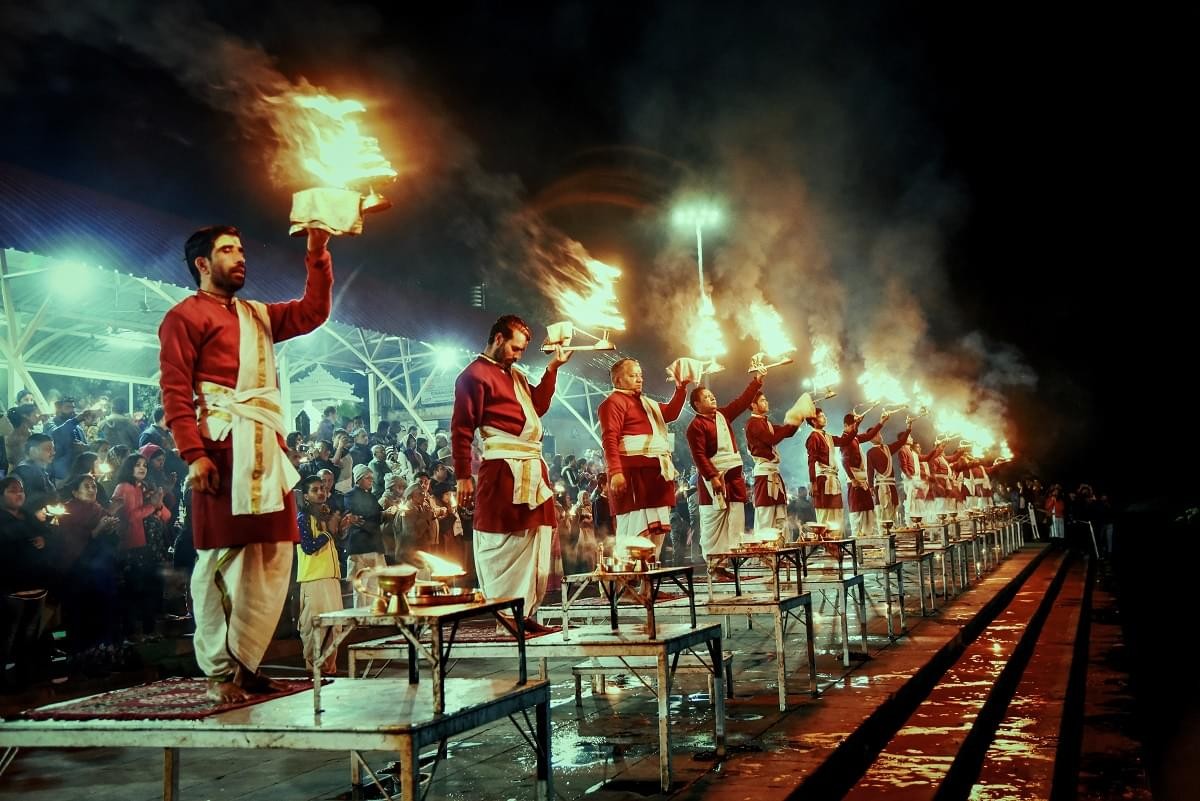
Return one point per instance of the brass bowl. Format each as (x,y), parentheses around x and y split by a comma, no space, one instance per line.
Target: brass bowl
(641,552)
(395,580)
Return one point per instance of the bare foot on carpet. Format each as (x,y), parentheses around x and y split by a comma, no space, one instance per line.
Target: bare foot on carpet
(225,692)
(257,683)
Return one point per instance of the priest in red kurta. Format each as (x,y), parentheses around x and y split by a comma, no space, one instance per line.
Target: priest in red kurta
(223,407)
(637,455)
(514,509)
(825,486)
(722,487)
(861,501)
(941,500)
(881,475)
(762,437)
(912,469)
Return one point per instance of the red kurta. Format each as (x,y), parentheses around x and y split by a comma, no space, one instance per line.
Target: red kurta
(761,438)
(861,500)
(702,441)
(200,340)
(818,453)
(622,414)
(939,474)
(484,396)
(910,466)
(880,461)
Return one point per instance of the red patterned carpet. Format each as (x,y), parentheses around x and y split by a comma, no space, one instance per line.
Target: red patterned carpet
(169,699)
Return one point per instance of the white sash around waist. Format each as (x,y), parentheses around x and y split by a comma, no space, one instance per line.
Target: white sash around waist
(653,445)
(770,469)
(524,459)
(833,484)
(262,473)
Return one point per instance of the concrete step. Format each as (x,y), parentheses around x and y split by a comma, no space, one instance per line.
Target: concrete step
(946,732)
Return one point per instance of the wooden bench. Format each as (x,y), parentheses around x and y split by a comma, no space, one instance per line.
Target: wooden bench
(599,668)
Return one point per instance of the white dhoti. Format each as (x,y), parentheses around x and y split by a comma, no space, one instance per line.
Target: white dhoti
(635,524)
(773,516)
(862,524)
(885,507)
(316,598)
(885,511)
(514,565)
(238,594)
(721,529)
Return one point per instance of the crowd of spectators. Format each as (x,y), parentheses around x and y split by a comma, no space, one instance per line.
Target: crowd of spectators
(94,517)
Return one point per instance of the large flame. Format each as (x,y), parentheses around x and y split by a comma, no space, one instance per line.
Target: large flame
(921,396)
(877,383)
(707,341)
(326,142)
(1005,452)
(825,368)
(442,568)
(768,330)
(965,426)
(594,304)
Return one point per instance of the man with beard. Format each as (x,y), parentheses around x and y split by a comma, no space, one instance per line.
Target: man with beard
(514,510)
(224,409)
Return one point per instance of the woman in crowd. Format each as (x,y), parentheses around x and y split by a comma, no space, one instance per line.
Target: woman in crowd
(89,535)
(157,475)
(87,464)
(26,555)
(108,477)
(141,577)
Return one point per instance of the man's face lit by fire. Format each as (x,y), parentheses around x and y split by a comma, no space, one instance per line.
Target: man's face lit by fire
(509,351)
(760,405)
(225,269)
(706,402)
(822,420)
(630,377)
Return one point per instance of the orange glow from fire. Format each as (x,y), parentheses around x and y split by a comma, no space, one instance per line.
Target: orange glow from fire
(325,140)
(707,341)
(594,304)
(768,330)
(443,568)
(825,367)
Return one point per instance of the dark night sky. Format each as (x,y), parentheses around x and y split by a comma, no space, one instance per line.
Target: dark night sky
(1030,145)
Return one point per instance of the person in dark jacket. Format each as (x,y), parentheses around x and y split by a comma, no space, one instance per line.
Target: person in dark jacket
(364,546)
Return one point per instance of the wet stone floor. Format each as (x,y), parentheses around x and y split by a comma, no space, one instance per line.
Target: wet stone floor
(604,750)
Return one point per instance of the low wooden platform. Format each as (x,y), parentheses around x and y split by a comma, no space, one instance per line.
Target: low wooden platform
(384,715)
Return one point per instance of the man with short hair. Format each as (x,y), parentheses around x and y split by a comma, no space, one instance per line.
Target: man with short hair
(34,472)
(70,438)
(118,428)
(881,475)
(861,501)
(637,456)
(157,432)
(722,487)
(825,486)
(223,406)
(360,451)
(317,570)
(912,469)
(327,425)
(514,509)
(762,439)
